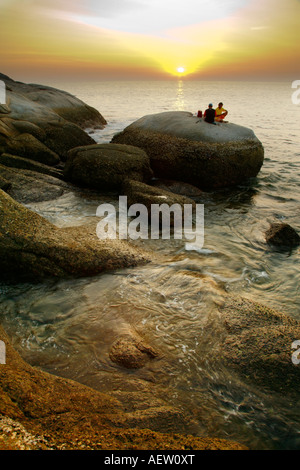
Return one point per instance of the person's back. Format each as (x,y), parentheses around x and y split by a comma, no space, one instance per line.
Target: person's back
(209,115)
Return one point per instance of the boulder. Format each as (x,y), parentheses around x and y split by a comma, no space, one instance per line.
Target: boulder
(282,235)
(62,137)
(35,103)
(14,161)
(185,148)
(106,166)
(131,352)
(26,145)
(256,342)
(177,187)
(141,193)
(27,186)
(31,248)
(53,119)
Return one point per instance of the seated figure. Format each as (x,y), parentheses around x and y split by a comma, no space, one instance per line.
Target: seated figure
(221,113)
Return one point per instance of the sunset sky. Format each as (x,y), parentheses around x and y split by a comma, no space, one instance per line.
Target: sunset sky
(150,39)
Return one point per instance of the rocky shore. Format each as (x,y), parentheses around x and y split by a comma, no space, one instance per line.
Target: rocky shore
(44,152)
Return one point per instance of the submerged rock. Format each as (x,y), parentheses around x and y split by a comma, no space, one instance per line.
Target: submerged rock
(31,248)
(256,342)
(282,235)
(106,166)
(39,411)
(131,352)
(184,148)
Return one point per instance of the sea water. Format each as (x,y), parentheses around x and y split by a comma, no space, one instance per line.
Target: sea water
(67,327)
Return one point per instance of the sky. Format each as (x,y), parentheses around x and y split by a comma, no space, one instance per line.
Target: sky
(150,39)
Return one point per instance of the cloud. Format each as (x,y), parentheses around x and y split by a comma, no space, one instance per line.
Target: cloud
(139,16)
(99,8)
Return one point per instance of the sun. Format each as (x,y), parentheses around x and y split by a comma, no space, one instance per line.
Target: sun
(180,69)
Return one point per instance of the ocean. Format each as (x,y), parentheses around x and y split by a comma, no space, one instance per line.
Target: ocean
(67,327)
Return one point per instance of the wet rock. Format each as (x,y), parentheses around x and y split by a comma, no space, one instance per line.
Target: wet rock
(183,148)
(256,343)
(40,411)
(131,352)
(31,248)
(177,187)
(140,193)
(106,166)
(282,235)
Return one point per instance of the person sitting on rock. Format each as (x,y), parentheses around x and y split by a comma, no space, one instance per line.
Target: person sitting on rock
(221,113)
(209,114)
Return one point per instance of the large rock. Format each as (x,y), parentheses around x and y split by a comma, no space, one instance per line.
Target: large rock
(43,123)
(31,248)
(106,166)
(184,148)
